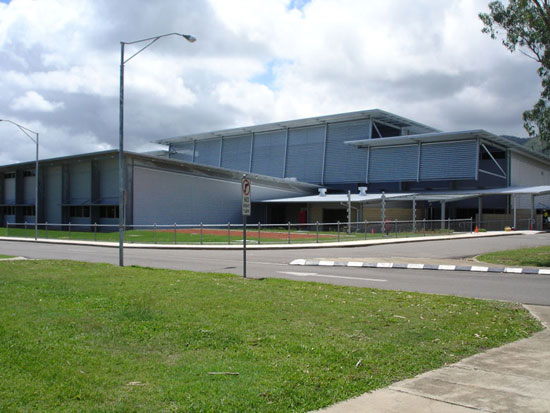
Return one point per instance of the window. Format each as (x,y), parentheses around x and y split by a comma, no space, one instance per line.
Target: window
(108,211)
(8,210)
(9,175)
(29,172)
(28,211)
(80,211)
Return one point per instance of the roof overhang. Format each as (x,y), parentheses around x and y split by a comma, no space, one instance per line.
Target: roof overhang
(430,196)
(374,114)
(438,137)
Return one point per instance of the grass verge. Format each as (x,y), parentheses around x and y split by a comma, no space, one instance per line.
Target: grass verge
(533,257)
(6,256)
(95,337)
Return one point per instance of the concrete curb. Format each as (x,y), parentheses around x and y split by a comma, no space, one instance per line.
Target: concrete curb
(440,267)
(343,244)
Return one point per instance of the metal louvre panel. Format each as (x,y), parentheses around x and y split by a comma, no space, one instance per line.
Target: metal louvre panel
(305,154)
(450,160)
(207,152)
(394,164)
(268,153)
(236,153)
(345,163)
(184,151)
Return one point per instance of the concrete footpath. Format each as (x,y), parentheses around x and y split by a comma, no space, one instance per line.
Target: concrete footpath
(511,378)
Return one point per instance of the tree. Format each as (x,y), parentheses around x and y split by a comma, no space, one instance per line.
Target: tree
(526,24)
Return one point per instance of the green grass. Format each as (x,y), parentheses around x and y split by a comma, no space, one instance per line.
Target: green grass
(535,257)
(6,256)
(166,236)
(96,337)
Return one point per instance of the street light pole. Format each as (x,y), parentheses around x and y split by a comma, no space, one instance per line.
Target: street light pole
(121,169)
(26,131)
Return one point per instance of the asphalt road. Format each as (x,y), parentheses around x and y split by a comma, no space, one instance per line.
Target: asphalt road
(528,289)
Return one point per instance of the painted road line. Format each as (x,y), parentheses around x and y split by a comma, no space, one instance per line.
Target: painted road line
(312,274)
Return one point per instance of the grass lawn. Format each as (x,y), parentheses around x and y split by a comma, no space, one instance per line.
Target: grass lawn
(96,337)
(536,257)
(6,256)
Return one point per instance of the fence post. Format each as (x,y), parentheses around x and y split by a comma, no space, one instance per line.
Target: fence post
(155,233)
(449,225)
(7,229)
(201,233)
(95,231)
(259,232)
(229,233)
(317,230)
(365,228)
(69,229)
(395,227)
(424,226)
(289,232)
(25,231)
(46,227)
(338,230)
(175,234)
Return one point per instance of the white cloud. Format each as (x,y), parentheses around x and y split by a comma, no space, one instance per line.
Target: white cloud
(34,102)
(254,61)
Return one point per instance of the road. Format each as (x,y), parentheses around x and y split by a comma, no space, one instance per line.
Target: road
(528,289)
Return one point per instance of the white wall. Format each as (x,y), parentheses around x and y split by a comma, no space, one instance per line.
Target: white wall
(528,172)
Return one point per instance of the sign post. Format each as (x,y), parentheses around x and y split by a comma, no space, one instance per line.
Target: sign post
(245,191)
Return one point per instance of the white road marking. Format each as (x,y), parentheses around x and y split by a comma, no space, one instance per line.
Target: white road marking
(513,270)
(447,267)
(480,269)
(313,274)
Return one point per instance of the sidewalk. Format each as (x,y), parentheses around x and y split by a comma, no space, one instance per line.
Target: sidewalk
(253,246)
(511,378)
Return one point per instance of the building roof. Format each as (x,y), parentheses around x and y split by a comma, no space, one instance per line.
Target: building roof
(375,114)
(435,137)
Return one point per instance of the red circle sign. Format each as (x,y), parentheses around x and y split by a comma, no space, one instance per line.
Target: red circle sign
(246,187)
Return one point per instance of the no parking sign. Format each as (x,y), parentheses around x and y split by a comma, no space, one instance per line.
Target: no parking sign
(245,186)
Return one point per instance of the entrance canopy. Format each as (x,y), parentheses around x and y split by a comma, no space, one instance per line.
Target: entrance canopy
(431,196)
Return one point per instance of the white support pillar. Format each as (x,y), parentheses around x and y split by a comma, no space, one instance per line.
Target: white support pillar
(479,211)
(532,220)
(515,201)
(414,213)
(443,204)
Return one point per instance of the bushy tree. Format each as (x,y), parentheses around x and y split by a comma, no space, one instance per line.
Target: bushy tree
(526,28)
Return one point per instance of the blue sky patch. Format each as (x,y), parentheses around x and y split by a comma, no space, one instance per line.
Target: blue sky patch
(298,4)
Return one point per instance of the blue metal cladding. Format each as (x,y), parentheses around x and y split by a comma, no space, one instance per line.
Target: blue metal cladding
(207,152)
(236,153)
(346,163)
(268,153)
(393,164)
(184,151)
(448,160)
(305,154)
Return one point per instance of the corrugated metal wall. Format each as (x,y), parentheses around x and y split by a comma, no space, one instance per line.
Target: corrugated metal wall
(108,181)
(448,160)
(80,182)
(269,153)
(236,153)
(52,194)
(345,163)
(207,152)
(9,190)
(397,163)
(168,197)
(305,154)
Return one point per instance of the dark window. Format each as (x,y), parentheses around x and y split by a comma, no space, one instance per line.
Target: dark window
(496,154)
(9,175)
(29,173)
(8,210)
(28,210)
(80,211)
(108,211)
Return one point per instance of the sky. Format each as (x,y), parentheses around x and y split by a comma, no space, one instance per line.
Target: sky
(254,61)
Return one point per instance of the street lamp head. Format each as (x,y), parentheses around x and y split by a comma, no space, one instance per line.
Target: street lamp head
(189,38)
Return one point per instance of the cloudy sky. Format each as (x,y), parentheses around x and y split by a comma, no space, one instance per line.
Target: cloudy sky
(254,61)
